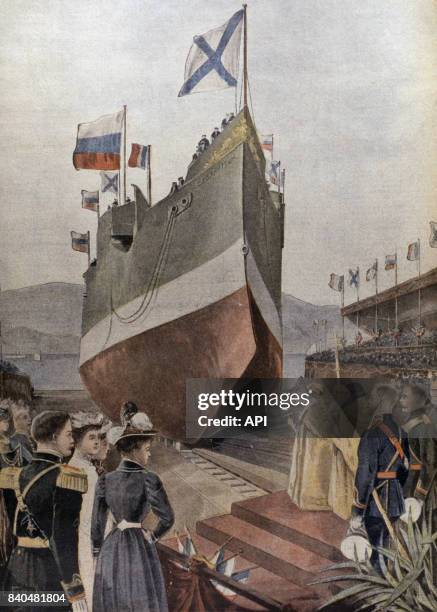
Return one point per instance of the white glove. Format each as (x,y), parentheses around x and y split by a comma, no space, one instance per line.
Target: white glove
(356,523)
(80,605)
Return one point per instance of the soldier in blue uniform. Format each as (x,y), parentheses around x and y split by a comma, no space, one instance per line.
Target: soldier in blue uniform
(383,464)
(128,573)
(48,501)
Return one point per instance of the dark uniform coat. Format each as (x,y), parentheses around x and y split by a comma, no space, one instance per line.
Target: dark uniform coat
(381,467)
(128,574)
(46,521)
(383,464)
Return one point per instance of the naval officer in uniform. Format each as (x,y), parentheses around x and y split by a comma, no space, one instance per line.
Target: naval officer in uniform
(383,464)
(48,502)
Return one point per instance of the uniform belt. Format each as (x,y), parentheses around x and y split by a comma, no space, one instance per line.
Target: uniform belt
(387,475)
(26,542)
(122,525)
(415,467)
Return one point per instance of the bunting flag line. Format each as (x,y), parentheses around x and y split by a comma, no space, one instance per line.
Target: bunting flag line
(213,60)
(372,272)
(90,200)
(80,242)
(98,143)
(354,278)
(413,253)
(336,282)
(391,262)
(138,156)
(109,182)
(433,236)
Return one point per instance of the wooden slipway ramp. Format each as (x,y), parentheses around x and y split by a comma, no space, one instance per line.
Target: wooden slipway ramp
(289,547)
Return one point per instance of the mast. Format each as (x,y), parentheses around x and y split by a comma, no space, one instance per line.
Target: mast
(376,296)
(149,175)
(124,155)
(245,56)
(1,357)
(420,292)
(396,289)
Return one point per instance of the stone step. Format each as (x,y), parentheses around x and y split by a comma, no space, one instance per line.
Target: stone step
(318,532)
(280,557)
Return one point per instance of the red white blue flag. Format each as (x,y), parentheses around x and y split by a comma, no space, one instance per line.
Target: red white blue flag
(90,200)
(391,261)
(98,143)
(138,156)
(80,242)
(267,142)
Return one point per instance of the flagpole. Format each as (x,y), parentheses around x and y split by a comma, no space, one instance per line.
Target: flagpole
(342,306)
(396,288)
(124,154)
(358,298)
(245,56)
(279,178)
(1,356)
(149,175)
(376,296)
(420,292)
(89,249)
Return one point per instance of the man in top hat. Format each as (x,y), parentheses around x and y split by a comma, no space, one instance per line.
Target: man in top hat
(48,498)
(383,463)
(203,143)
(215,133)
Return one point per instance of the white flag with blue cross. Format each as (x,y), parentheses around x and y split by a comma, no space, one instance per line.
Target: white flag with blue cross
(213,60)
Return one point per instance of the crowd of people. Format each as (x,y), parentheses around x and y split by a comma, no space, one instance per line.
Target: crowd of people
(74,491)
(409,349)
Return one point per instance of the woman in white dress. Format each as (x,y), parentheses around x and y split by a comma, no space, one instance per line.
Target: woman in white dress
(86,430)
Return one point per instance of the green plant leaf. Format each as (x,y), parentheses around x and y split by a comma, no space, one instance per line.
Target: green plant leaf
(405,584)
(346,593)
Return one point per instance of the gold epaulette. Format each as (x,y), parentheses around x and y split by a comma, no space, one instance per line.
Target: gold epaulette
(9,477)
(72,478)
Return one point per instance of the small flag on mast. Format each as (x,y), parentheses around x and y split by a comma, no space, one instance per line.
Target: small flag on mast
(80,242)
(336,282)
(274,172)
(391,261)
(433,236)
(90,200)
(372,272)
(213,60)
(413,253)
(98,143)
(138,156)
(267,142)
(354,278)
(109,182)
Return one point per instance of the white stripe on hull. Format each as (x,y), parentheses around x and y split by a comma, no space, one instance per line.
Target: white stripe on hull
(263,299)
(205,285)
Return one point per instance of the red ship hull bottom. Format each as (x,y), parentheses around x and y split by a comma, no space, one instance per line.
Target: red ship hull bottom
(227,339)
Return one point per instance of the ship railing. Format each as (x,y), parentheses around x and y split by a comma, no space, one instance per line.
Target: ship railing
(239,589)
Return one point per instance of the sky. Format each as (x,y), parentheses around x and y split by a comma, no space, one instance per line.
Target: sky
(347,88)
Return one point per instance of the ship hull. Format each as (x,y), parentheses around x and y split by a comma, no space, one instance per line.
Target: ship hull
(212,311)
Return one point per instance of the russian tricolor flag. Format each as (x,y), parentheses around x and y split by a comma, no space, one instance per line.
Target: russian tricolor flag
(90,200)
(98,143)
(138,156)
(267,142)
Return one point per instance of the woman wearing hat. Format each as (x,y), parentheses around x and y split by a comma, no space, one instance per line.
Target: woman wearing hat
(86,430)
(128,573)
